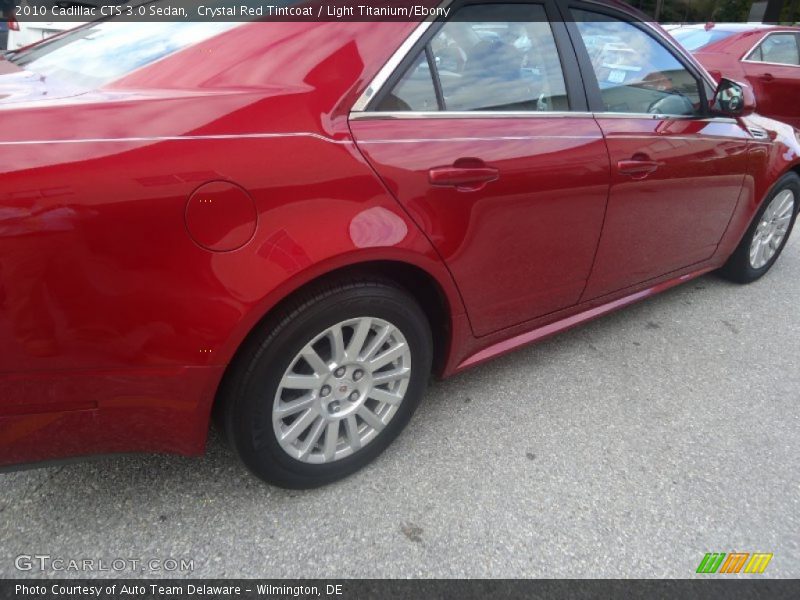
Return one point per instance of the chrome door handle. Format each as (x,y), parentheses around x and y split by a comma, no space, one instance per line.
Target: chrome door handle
(466,175)
(638,169)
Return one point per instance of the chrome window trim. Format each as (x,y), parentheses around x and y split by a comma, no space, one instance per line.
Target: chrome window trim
(773,64)
(660,117)
(484,114)
(747,54)
(499,138)
(475,114)
(394,61)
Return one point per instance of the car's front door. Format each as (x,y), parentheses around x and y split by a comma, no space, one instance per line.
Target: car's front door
(677,172)
(483,135)
(773,70)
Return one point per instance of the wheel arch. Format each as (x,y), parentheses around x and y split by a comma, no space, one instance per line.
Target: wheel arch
(432,294)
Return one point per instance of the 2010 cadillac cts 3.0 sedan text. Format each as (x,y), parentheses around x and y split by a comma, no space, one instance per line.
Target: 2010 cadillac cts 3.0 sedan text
(289,226)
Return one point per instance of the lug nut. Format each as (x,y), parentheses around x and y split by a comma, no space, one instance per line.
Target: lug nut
(358,374)
(354,397)
(339,372)
(326,389)
(334,406)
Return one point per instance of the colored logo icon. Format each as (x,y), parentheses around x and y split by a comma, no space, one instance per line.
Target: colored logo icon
(714,562)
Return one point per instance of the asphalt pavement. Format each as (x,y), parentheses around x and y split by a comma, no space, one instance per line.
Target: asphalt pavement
(628,447)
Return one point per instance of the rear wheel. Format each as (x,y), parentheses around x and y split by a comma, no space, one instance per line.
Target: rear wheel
(329,383)
(767,235)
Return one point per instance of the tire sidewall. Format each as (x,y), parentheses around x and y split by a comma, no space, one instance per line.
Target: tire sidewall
(251,421)
(789,181)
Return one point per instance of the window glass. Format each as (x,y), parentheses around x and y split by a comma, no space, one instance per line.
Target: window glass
(414,91)
(694,39)
(636,73)
(498,57)
(780,48)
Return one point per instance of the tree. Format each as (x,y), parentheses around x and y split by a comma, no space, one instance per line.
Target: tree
(732,11)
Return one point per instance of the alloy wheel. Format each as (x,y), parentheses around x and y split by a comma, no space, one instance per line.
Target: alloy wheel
(341,390)
(772,229)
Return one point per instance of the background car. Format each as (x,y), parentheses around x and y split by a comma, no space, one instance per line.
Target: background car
(239,220)
(766,56)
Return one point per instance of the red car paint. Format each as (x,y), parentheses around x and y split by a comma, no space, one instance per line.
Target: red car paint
(776,86)
(125,292)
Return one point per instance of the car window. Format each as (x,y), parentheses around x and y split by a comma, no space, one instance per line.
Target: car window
(695,39)
(414,91)
(779,48)
(499,57)
(636,73)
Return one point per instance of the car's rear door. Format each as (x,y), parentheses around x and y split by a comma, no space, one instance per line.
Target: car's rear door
(483,134)
(677,171)
(773,69)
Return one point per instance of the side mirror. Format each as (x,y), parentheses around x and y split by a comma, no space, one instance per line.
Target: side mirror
(733,99)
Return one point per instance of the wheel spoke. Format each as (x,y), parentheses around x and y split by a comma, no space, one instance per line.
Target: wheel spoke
(351,426)
(357,341)
(757,259)
(389,376)
(331,439)
(313,436)
(785,210)
(785,205)
(315,360)
(371,418)
(299,425)
(293,381)
(378,342)
(762,253)
(284,409)
(387,357)
(385,397)
(337,344)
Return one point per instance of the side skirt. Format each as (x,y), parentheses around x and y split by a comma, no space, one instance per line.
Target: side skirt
(540,333)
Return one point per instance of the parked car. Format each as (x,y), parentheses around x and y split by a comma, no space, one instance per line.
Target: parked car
(765,56)
(291,225)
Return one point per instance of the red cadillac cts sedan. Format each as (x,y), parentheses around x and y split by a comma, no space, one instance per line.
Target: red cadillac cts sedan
(765,56)
(289,226)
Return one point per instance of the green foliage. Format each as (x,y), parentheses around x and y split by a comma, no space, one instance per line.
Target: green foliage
(697,11)
(732,11)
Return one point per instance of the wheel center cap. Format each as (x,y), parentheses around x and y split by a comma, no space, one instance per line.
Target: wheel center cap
(343,389)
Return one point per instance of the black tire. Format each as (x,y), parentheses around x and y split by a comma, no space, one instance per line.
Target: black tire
(250,388)
(739,268)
